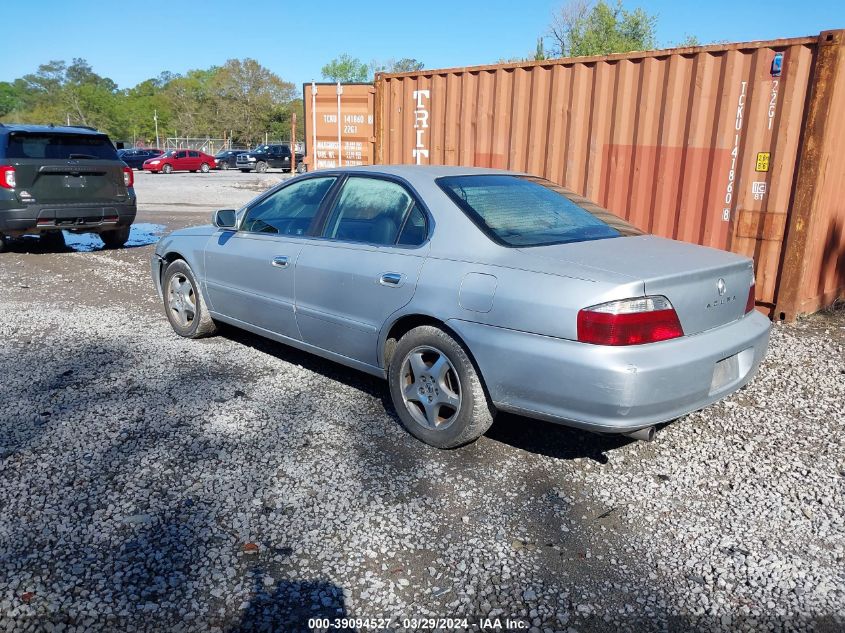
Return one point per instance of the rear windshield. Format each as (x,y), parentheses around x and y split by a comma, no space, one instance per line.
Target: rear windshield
(60,146)
(526,211)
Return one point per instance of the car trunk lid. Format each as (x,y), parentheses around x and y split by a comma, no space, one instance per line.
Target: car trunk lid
(70,181)
(707,287)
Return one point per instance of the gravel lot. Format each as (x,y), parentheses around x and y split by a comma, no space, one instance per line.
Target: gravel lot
(150,483)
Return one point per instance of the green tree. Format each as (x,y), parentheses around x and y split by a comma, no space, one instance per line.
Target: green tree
(582,28)
(10,98)
(406,65)
(345,68)
(540,53)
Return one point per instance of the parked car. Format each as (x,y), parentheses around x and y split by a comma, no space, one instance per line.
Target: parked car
(55,179)
(474,291)
(227,158)
(180,160)
(264,157)
(135,158)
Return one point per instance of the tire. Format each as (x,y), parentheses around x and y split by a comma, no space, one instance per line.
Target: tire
(204,168)
(261,167)
(116,238)
(224,166)
(184,304)
(301,169)
(3,244)
(52,240)
(167,169)
(464,413)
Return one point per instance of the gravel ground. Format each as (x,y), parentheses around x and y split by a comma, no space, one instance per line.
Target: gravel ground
(150,483)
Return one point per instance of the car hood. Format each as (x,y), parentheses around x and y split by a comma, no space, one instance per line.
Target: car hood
(194,231)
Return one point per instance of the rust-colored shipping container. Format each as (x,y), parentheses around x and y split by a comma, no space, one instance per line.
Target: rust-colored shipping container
(338,124)
(732,146)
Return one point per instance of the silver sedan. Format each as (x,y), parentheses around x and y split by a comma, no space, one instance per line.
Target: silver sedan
(474,291)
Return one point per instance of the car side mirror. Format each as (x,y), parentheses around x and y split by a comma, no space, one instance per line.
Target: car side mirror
(224,218)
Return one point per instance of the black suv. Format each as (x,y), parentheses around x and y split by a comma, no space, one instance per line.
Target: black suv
(63,178)
(265,156)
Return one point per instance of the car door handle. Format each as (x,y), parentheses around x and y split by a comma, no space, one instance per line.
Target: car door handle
(390,279)
(280,261)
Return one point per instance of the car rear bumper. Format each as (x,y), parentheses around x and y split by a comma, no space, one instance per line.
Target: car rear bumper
(614,389)
(88,217)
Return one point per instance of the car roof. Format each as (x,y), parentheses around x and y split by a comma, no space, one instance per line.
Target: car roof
(6,128)
(419,173)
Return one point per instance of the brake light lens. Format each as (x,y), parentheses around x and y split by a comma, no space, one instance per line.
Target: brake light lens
(629,322)
(7,177)
(752,299)
(128,177)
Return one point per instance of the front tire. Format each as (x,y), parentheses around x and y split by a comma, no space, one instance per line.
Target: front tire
(261,167)
(436,389)
(167,169)
(116,238)
(184,304)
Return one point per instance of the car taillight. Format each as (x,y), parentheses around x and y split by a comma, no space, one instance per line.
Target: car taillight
(629,322)
(128,177)
(7,177)
(749,304)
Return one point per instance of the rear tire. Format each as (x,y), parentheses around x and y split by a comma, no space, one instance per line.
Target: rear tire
(167,169)
(300,168)
(52,240)
(116,238)
(3,244)
(204,168)
(436,390)
(224,166)
(184,304)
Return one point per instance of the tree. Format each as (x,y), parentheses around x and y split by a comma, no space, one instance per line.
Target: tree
(582,28)
(406,65)
(689,40)
(540,53)
(346,69)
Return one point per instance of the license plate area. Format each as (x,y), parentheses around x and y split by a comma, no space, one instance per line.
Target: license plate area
(75,182)
(729,371)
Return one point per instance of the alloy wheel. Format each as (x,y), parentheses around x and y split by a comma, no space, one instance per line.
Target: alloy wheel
(431,388)
(182,300)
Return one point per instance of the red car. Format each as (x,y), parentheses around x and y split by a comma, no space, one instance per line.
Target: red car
(180,160)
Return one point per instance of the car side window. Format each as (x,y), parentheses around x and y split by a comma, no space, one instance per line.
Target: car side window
(194,154)
(415,230)
(289,210)
(369,210)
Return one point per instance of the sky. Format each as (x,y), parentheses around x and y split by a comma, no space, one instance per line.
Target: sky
(131,42)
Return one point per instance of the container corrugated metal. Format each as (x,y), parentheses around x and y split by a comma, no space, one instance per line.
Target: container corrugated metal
(698,144)
(338,116)
(813,272)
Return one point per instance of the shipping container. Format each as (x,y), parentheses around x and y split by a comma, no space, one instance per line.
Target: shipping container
(338,124)
(734,146)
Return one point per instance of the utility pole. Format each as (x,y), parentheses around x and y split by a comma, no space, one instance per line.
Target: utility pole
(293,142)
(339,151)
(155,118)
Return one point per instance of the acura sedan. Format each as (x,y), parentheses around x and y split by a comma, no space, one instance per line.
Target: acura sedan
(474,291)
